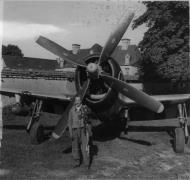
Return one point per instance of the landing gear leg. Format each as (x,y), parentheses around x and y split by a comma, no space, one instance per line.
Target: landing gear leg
(124,121)
(34,128)
(181,133)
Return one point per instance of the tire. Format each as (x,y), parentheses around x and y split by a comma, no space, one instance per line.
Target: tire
(179,140)
(36,133)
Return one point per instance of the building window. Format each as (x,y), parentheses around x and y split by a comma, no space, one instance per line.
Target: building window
(91,51)
(127,59)
(127,71)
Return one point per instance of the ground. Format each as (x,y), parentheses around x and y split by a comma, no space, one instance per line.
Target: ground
(141,154)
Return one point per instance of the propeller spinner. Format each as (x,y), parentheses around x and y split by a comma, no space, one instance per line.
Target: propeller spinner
(92,67)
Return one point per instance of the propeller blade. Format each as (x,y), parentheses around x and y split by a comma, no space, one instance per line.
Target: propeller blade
(63,121)
(83,90)
(59,51)
(134,94)
(115,37)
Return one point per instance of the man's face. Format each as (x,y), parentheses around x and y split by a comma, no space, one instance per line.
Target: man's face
(77,101)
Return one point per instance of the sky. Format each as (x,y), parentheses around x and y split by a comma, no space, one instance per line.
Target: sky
(66,22)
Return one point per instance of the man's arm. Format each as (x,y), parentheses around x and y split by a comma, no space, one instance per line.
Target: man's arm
(70,121)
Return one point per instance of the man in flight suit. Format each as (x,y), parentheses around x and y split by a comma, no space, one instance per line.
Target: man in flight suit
(80,131)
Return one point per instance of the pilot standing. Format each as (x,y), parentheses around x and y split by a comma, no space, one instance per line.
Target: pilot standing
(80,132)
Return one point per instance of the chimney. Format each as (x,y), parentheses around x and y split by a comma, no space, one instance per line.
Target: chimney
(125,44)
(75,48)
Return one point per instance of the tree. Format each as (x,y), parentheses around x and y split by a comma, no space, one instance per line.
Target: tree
(165,46)
(12,50)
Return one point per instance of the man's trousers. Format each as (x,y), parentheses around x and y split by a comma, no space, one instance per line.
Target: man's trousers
(80,145)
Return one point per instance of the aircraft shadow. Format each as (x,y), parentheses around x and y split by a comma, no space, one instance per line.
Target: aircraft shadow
(106,132)
(23,127)
(149,128)
(168,129)
(138,141)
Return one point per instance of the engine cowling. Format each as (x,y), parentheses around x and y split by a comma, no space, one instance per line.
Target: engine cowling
(100,96)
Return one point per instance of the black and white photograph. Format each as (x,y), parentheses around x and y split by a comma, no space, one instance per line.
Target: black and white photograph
(94,90)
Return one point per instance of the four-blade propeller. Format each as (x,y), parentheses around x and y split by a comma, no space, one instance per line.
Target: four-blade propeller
(95,69)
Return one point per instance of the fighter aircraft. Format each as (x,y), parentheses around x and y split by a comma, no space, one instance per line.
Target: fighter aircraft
(99,82)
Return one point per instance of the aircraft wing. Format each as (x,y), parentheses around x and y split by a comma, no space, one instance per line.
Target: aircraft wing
(171,98)
(8,92)
(40,84)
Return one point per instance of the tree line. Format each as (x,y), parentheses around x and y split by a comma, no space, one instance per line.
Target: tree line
(12,50)
(165,46)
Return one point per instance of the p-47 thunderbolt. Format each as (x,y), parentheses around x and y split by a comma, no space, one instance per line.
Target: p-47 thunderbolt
(100,84)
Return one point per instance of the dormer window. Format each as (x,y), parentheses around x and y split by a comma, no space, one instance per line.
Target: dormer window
(91,51)
(61,64)
(127,71)
(75,48)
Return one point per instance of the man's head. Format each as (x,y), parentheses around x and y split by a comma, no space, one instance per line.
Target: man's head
(77,101)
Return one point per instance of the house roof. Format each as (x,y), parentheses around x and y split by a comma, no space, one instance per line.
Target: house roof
(96,48)
(16,62)
(118,54)
(81,54)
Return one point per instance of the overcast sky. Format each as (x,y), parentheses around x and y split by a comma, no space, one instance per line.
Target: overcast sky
(66,22)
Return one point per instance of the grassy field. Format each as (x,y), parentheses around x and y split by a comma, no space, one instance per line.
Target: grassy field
(140,154)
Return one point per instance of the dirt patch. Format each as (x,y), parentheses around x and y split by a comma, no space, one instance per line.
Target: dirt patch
(138,155)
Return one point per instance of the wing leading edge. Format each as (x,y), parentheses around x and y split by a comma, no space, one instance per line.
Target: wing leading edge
(8,92)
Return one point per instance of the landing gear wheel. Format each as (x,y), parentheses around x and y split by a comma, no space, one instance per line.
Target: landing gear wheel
(36,133)
(179,140)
